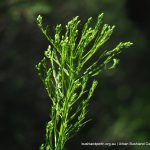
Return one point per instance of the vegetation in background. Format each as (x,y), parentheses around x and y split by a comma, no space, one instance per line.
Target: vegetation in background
(65,75)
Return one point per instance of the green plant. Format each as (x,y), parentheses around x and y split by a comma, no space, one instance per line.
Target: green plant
(65,72)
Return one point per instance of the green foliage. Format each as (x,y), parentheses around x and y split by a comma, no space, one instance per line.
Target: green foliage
(65,72)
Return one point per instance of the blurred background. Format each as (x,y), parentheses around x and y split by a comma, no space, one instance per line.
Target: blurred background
(120,108)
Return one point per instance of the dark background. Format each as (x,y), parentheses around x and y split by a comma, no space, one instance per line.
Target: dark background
(120,108)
